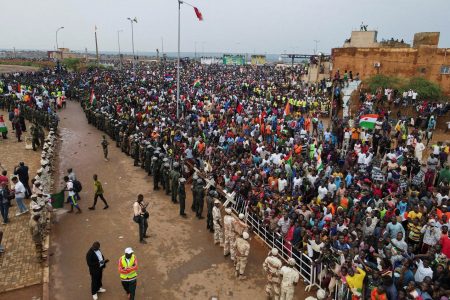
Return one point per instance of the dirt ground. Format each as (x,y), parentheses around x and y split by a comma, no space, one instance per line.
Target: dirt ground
(16,68)
(180,260)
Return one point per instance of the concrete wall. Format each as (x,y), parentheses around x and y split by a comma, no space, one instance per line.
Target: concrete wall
(423,61)
(426,38)
(362,39)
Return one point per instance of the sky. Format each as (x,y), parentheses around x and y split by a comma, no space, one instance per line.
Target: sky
(234,26)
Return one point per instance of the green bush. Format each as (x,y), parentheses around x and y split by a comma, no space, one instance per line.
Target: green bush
(426,89)
(72,63)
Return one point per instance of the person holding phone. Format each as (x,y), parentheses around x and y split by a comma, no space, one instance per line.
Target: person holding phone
(96,263)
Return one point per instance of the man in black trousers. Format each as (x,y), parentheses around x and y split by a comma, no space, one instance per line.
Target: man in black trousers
(96,263)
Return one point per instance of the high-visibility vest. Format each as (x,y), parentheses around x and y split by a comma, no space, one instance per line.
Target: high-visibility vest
(127,275)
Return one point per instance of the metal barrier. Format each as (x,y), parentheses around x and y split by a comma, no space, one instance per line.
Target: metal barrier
(304,264)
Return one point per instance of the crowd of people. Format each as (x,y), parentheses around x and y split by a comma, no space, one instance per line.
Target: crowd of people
(367,204)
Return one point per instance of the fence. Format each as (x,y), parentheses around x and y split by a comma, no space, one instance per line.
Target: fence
(304,264)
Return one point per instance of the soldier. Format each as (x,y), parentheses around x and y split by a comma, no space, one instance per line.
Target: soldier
(194,197)
(166,175)
(289,280)
(174,177)
(36,233)
(272,266)
(34,136)
(105,144)
(142,148)
(230,236)
(240,226)
(161,170)
(242,251)
(136,151)
(209,207)
(199,198)
(148,159)
(182,196)
(217,221)
(155,173)
(41,135)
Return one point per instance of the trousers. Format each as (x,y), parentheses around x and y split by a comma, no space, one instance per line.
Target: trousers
(143,226)
(96,281)
(130,288)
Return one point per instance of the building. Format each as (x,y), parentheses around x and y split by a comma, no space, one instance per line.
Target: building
(62,53)
(363,54)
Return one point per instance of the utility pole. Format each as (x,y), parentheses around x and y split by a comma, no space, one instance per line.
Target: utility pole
(118,44)
(178,61)
(96,44)
(132,38)
(162,46)
(62,27)
(315,48)
(318,70)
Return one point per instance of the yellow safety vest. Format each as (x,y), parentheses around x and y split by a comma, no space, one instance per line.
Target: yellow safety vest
(124,264)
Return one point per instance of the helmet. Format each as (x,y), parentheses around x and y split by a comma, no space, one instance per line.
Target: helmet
(241,216)
(245,235)
(274,251)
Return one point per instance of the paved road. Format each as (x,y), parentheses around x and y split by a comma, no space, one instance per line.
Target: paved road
(180,261)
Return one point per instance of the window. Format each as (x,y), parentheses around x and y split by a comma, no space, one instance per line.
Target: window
(445,69)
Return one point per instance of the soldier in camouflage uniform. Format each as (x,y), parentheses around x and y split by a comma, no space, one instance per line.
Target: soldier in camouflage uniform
(148,159)
(209,206)
(229,234)
(142,149)
(182,196)
(34,136)
(166,175)
(272,266)
(155,171)
(200,198)
(161,170)
(174,177)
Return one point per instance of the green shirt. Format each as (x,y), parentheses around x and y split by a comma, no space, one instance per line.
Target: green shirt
(98,187)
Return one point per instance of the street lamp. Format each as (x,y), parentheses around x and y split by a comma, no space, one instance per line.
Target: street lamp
(118,44)
(132,36)
(62,27)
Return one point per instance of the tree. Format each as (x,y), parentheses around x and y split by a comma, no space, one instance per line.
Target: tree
(72,63)
(426,89)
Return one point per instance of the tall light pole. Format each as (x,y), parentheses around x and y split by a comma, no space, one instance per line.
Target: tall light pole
(118,44)
(132,36)
(178,61)
(315,48)
(62,27)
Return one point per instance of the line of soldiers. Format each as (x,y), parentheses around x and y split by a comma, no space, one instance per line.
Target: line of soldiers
(281,280)
(48,120)
(40,206)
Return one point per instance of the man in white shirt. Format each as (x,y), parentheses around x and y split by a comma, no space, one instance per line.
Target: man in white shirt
(282,184)
(71,198)
(423,270)
(19,191)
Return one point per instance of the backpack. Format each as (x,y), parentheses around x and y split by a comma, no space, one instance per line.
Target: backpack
(77,187)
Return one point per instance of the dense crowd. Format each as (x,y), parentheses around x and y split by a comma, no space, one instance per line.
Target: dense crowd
(367,203)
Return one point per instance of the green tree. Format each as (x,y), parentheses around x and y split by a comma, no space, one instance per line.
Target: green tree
(72,63)
(426,89)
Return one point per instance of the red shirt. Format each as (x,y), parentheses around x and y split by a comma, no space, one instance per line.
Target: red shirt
(3,179)
(445,242)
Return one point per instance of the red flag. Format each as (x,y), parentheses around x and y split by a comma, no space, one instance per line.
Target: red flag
(19,88)
(239,108)
(198,13)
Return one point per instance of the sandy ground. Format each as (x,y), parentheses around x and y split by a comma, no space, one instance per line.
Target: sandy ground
(180,260)
(16,68)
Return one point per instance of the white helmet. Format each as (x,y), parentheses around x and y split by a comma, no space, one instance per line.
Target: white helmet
(245,235)
(274,251)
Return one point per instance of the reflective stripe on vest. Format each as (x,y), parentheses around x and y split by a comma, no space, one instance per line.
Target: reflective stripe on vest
(128,264)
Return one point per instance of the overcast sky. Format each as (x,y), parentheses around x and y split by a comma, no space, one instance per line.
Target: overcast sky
(246,26)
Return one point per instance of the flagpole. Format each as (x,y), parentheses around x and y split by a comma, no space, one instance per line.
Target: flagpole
(96,44)
(178,61)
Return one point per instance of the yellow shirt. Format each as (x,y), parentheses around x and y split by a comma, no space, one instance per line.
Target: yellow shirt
(413,215)
(356,281)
